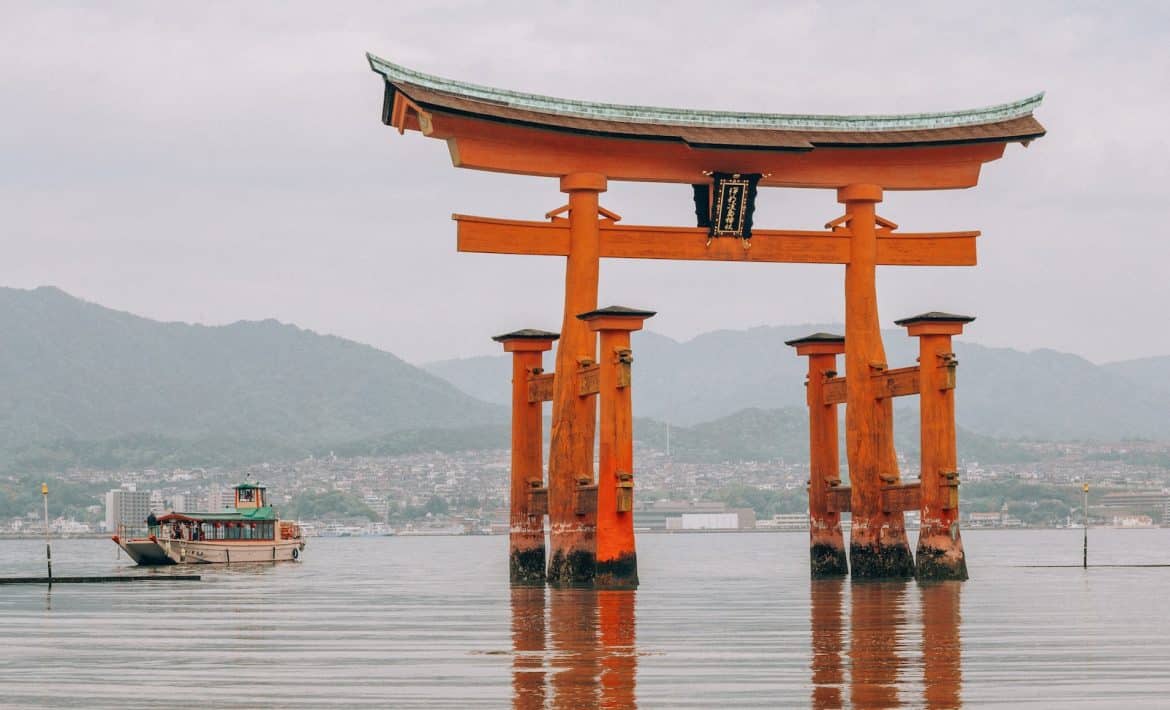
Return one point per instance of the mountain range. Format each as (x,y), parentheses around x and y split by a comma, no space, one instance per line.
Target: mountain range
(72,371)
(87,385)
(1002,392)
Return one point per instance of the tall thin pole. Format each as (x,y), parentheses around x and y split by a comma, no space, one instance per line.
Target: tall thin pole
(1085,549)
(48,547)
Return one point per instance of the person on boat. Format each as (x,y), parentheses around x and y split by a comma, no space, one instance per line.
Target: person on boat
(152,524)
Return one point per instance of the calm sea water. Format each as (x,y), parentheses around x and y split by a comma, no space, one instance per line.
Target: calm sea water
(727,620)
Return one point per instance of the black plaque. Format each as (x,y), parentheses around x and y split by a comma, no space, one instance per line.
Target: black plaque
(732,205)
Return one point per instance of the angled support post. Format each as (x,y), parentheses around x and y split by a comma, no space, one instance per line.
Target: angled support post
(526,556)
(572,557)
(940,547)
(617,557)
(826,543)
(878,545)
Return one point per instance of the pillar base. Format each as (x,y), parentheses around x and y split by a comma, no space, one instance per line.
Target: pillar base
(828,560)
(941,558)
(526,567)
(881,560)
(572,568)
(620,573)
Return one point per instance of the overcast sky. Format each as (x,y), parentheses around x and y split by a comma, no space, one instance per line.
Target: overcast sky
(213,162)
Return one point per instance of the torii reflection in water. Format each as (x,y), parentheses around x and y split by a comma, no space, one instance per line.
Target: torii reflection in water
(581,654)
(868,658)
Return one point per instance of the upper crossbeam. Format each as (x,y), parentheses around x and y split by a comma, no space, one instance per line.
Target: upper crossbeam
(502,236)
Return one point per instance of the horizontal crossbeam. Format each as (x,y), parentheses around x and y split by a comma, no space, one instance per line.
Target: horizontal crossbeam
(887,383)
(540,387)
(896,497)
(900,497)
(502,236)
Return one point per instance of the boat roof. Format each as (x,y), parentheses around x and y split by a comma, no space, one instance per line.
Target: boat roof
(264,513)
(247,486)
(1007,122)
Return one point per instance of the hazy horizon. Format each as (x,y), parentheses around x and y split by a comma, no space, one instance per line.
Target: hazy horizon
(495,349)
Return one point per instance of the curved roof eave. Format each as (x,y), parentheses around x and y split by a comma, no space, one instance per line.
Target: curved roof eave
(623,113)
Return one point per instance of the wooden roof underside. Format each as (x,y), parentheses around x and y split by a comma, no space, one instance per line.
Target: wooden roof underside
(506,131)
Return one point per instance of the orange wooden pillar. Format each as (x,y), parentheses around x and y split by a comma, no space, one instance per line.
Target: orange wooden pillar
(617,558)
(526,522)
(878,546)
(940,547)
(574,417)
(826,543)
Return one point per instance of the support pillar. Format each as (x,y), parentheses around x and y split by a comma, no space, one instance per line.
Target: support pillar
(940,547)
(826,542)
(574,417)
(529,496)
(878,545)
(617,558)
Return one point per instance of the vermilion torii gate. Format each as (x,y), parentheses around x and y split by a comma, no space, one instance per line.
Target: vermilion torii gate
(585,145)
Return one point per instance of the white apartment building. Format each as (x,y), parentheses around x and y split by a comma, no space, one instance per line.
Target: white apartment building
(128,508)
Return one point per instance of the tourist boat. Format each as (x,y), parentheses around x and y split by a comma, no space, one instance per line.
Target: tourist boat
(250,533)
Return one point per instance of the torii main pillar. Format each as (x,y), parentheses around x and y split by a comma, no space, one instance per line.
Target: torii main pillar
(572,527)
(878,545)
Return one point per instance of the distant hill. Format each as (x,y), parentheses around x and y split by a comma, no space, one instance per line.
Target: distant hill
(1150,372)
(782,434)
(74,372)
(1002,392)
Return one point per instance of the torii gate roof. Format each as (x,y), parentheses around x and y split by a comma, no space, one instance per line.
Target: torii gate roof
(1005,122)
(484,127)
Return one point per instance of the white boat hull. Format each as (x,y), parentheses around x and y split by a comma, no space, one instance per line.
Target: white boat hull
(153,551)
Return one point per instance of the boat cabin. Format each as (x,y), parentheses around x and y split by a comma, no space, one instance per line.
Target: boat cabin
(253,519)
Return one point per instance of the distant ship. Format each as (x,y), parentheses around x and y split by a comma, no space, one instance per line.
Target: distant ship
(250,533)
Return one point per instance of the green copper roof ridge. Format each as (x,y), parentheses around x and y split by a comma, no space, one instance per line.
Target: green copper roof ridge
(691,117)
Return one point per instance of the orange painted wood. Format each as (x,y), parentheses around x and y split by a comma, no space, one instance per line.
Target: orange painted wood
(501,147)
(540,387)
(526,525)
(572,552)
(869,420)
(888,383)
(824,455)
(833,391)
(902,497)
(615,530)
(588,380)
(501,236)
(839,499)
(939,462)
(897,383)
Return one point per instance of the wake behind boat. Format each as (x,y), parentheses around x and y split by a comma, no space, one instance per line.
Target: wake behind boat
(250,533)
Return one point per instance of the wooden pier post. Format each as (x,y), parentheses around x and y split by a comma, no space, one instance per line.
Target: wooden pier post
(574,417)
(940,547)
(826,543)
(526,558)
(617,558)
(878,546)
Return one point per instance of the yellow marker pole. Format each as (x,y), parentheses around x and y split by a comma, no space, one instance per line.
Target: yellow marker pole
(1085,550)
(48,547)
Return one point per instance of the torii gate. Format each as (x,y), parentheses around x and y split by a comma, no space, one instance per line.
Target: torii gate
(585,145)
